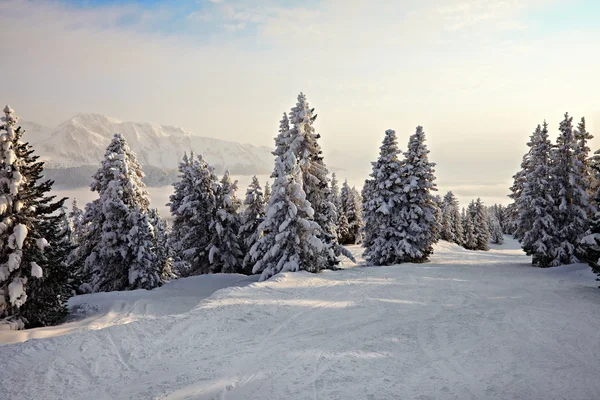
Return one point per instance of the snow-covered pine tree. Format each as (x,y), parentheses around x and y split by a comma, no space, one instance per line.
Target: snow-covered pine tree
(353,212)
(481,228)
(144,270)
(76,218)
(225,250)
(494,227)
(290,241)
(27,273)
(382,195)
(539,238)
(334,198)
(115,248)
(346,237)
(160,240)
(251,217)
(282,140)
(193,205)
(418,211)
(583,165)
(591,242)
(303,142)
(452,229)
(571,210)
(267,194)
(468,218)
(518,205)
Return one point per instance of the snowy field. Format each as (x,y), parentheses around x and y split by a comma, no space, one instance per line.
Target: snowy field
(468,325)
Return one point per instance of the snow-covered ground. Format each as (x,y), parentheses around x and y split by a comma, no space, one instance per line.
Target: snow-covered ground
(468,325)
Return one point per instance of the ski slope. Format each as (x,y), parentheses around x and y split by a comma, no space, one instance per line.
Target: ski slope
(468,325)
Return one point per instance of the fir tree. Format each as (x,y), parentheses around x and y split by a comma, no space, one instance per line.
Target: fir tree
(160,241)
(267,194)
(225,250)
(382,196)
(29,217)
(537,220)
(418,212)
(452,229)
(76,218)
(303,142)
(480,226)
(116,248)
(251,218)
(495,229)
(334,198)
(570,197)
(290,241)
(353,212)
(470,241)
(193,205)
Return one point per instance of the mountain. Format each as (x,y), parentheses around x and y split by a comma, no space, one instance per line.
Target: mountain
(77,146)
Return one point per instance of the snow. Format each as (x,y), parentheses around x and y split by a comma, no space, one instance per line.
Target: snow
(36,270)
(467,325)
(20,235)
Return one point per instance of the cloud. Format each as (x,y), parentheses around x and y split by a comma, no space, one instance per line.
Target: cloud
(230,69)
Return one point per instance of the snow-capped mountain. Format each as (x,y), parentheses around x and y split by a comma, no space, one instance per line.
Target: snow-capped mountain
(82,140)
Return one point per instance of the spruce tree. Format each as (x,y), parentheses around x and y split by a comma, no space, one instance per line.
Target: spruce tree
(290,240)
(267,194)
(353,212)
(116,248)
(470,242)
(225,250)
(303,142)
(591,242)
(160,240)
(193,206)
(29,271)
(570,197)
(480,226)
(251,218)
(334,198)
(76,218)
(537,221)
(418,211)
(495,229)
(452,229)
(382,195)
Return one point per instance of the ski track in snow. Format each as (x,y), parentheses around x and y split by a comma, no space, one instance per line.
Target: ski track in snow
(467,325)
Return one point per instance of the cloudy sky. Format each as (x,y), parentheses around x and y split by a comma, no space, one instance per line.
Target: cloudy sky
(477,74)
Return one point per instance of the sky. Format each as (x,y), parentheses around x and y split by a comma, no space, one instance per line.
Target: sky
(478,75)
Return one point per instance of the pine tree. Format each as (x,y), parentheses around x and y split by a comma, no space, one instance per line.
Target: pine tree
(591,242)
(116,248)
(251,217)
(266,195)
(282,140)
(584,172)
(495,229)
(76,217)
(481,228)
(452,229)
(518,205)
(539,238)
(144,270)
(570,197)
(334,198)
(303,142)
(225,250)
(290,239)
(193,206)
(382,194)
(418,212)
(28,274)
(470,242)
(160,241)
(353,211)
